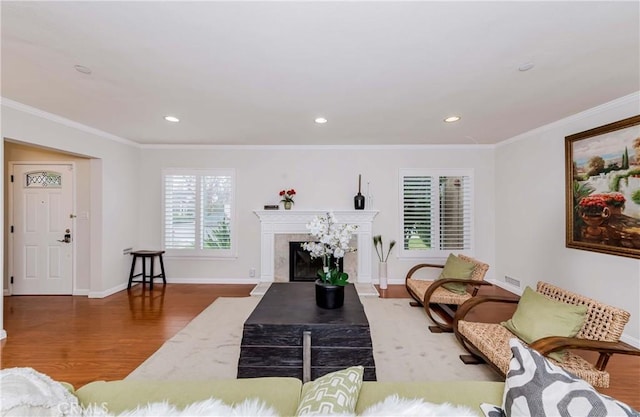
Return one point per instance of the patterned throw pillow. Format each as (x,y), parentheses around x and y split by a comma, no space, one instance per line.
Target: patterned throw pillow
(537,387)
(334,393)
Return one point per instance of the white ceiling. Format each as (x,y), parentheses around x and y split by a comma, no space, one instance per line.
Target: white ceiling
(259,72)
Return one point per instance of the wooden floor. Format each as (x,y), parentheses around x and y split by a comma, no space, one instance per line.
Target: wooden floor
(79,340)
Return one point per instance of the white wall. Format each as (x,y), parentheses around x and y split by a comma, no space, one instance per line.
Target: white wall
(530,213)
(114,172)
(324,179)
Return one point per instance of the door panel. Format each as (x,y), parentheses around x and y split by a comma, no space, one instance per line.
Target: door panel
(42,262)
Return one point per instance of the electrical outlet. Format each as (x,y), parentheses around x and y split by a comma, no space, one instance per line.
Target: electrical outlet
(252,272)
(512,281)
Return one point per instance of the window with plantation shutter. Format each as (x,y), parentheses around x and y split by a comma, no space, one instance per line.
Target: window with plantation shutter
(436,209)
(198,212)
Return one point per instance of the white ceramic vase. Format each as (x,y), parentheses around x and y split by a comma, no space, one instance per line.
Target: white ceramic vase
(382,275)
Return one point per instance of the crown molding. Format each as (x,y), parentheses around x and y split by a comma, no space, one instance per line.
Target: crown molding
(316,147)
(65,122)
(619,102)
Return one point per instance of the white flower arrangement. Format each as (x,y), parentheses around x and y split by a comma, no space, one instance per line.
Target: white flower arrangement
(333,240)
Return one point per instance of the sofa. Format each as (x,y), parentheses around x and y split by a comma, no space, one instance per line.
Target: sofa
(533,386)
(283,394)
(27,392)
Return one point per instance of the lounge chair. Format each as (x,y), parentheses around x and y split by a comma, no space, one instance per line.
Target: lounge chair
(431,294)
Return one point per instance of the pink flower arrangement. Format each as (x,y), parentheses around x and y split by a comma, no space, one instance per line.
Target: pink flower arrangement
(287,195)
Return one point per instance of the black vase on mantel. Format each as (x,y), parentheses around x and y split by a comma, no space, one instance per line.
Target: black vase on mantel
(358,200)
(329,296)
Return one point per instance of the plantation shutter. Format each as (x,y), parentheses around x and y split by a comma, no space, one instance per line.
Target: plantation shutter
(455,213)
(417,209)
(198,212)
(180,215)
(216,207)
(436,213)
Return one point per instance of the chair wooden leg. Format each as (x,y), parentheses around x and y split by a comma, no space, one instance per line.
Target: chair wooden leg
(415,304)
(471,360)
(443,327)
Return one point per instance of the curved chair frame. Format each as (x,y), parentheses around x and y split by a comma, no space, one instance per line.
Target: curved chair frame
(431,299)
(605,345)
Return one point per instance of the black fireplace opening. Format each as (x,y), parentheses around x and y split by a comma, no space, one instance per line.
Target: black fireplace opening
(302,267)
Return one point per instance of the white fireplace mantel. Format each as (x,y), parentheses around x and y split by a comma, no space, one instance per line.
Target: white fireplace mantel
(274,222)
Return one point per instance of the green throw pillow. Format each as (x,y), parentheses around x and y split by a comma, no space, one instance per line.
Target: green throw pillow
(538,316)
(334,393)
(459,269)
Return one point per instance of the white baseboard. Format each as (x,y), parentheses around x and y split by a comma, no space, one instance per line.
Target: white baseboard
(501,284)
(633,341)
(123,286)
(110,291)
(211,281)
(3,334)
(6,292)
(80,292)
(506,286)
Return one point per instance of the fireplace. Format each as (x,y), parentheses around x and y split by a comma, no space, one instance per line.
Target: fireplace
(277,226)
(302,267)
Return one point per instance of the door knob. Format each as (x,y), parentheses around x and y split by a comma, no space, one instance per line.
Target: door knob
(67,237)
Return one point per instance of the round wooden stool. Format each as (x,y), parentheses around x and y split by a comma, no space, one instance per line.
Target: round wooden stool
(144,255)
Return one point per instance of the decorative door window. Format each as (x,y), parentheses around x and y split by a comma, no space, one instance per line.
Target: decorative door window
(43,179)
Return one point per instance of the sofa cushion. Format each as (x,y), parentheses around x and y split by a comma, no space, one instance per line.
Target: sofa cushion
(456,268)
(334,393)
(282,394)
(211,407)
(538,316)
(537,387)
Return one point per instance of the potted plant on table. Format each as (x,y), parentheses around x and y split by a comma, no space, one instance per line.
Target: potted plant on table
(333,244)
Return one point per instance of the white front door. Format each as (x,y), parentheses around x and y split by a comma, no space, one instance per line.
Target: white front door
(42,229)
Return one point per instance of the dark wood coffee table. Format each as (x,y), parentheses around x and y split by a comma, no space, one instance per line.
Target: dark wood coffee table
(272,340)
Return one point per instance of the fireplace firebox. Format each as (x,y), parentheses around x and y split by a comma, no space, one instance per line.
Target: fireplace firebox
(302,267)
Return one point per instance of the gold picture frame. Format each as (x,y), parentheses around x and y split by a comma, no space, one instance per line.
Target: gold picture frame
(602,167)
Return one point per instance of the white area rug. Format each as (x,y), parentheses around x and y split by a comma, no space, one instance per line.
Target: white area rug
(207,348)
(404,349)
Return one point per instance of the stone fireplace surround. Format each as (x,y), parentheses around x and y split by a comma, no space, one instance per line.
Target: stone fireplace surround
(292,222)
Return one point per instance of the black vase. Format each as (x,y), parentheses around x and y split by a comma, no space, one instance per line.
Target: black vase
(329,296)
(358,201)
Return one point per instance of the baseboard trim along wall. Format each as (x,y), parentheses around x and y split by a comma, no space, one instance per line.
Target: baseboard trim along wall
(210,281)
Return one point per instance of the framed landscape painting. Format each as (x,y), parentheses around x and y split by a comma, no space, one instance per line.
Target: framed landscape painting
(603,188)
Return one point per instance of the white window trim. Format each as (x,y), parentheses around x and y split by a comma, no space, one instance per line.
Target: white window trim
(195,254)
(434,254)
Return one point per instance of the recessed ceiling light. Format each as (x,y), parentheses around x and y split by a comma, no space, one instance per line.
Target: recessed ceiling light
(452,119)
(173,119)
(82,69)
(320,120)
(526,66)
